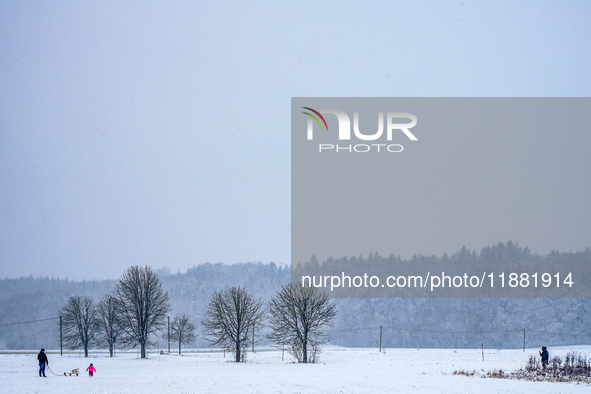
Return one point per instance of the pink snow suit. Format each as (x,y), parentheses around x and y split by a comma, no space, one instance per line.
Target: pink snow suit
(90,370)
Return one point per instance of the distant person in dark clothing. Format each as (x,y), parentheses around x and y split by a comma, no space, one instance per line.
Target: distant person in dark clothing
(42,357)
(545,356)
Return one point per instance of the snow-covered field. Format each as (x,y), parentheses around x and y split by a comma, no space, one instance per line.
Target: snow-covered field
(341,370)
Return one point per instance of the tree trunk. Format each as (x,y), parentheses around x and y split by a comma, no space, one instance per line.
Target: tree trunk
(305,351)
(143,345)
(237,351)
(111,350)
(86,349)
(179,346)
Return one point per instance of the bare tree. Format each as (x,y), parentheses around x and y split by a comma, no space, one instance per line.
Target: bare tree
(143,305)
(182,330)
(231,315)
(109,322)
(79,323)
(297,316)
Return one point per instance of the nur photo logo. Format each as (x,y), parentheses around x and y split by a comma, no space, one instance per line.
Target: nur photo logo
(344,130)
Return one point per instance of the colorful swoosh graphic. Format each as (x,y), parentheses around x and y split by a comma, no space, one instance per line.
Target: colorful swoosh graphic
(315,118)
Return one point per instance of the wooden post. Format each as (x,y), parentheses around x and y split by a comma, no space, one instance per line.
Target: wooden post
(380,339)
(61,338)
(482,344)
(282,351)
(224,353)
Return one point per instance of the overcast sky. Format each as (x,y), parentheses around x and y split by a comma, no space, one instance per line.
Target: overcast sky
(159,133)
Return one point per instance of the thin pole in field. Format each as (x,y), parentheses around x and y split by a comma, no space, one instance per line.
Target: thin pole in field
(61,338)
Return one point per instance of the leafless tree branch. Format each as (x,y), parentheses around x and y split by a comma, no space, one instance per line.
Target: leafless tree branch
(109,322)
(297,316)
(80,321)
(231,315)
(143,305)
(182,330)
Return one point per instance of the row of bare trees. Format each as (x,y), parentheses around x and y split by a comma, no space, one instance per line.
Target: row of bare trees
(296,317)
(134,314)
(129,316)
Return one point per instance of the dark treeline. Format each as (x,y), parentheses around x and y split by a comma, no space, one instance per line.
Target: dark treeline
(442,323)
(465,323)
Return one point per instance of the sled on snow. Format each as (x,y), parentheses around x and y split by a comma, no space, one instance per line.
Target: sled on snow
(74,372)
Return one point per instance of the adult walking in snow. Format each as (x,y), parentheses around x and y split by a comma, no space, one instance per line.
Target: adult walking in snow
(42,358)
(545,356)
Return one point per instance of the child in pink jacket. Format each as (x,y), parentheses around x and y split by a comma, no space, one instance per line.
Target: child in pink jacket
(91,370)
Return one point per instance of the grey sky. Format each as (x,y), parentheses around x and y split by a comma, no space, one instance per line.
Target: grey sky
(159,133)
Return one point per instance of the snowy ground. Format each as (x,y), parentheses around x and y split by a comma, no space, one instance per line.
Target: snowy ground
(341,370)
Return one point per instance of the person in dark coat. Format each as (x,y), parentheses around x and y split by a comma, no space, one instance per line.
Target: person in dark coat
(545,356)
(42,357)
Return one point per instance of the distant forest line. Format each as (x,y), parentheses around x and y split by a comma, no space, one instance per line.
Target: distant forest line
(421,323)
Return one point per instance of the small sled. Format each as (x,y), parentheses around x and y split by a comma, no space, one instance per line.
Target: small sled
(74,372)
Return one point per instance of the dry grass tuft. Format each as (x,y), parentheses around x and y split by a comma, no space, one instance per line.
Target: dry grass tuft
(574,368)
(463,372)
